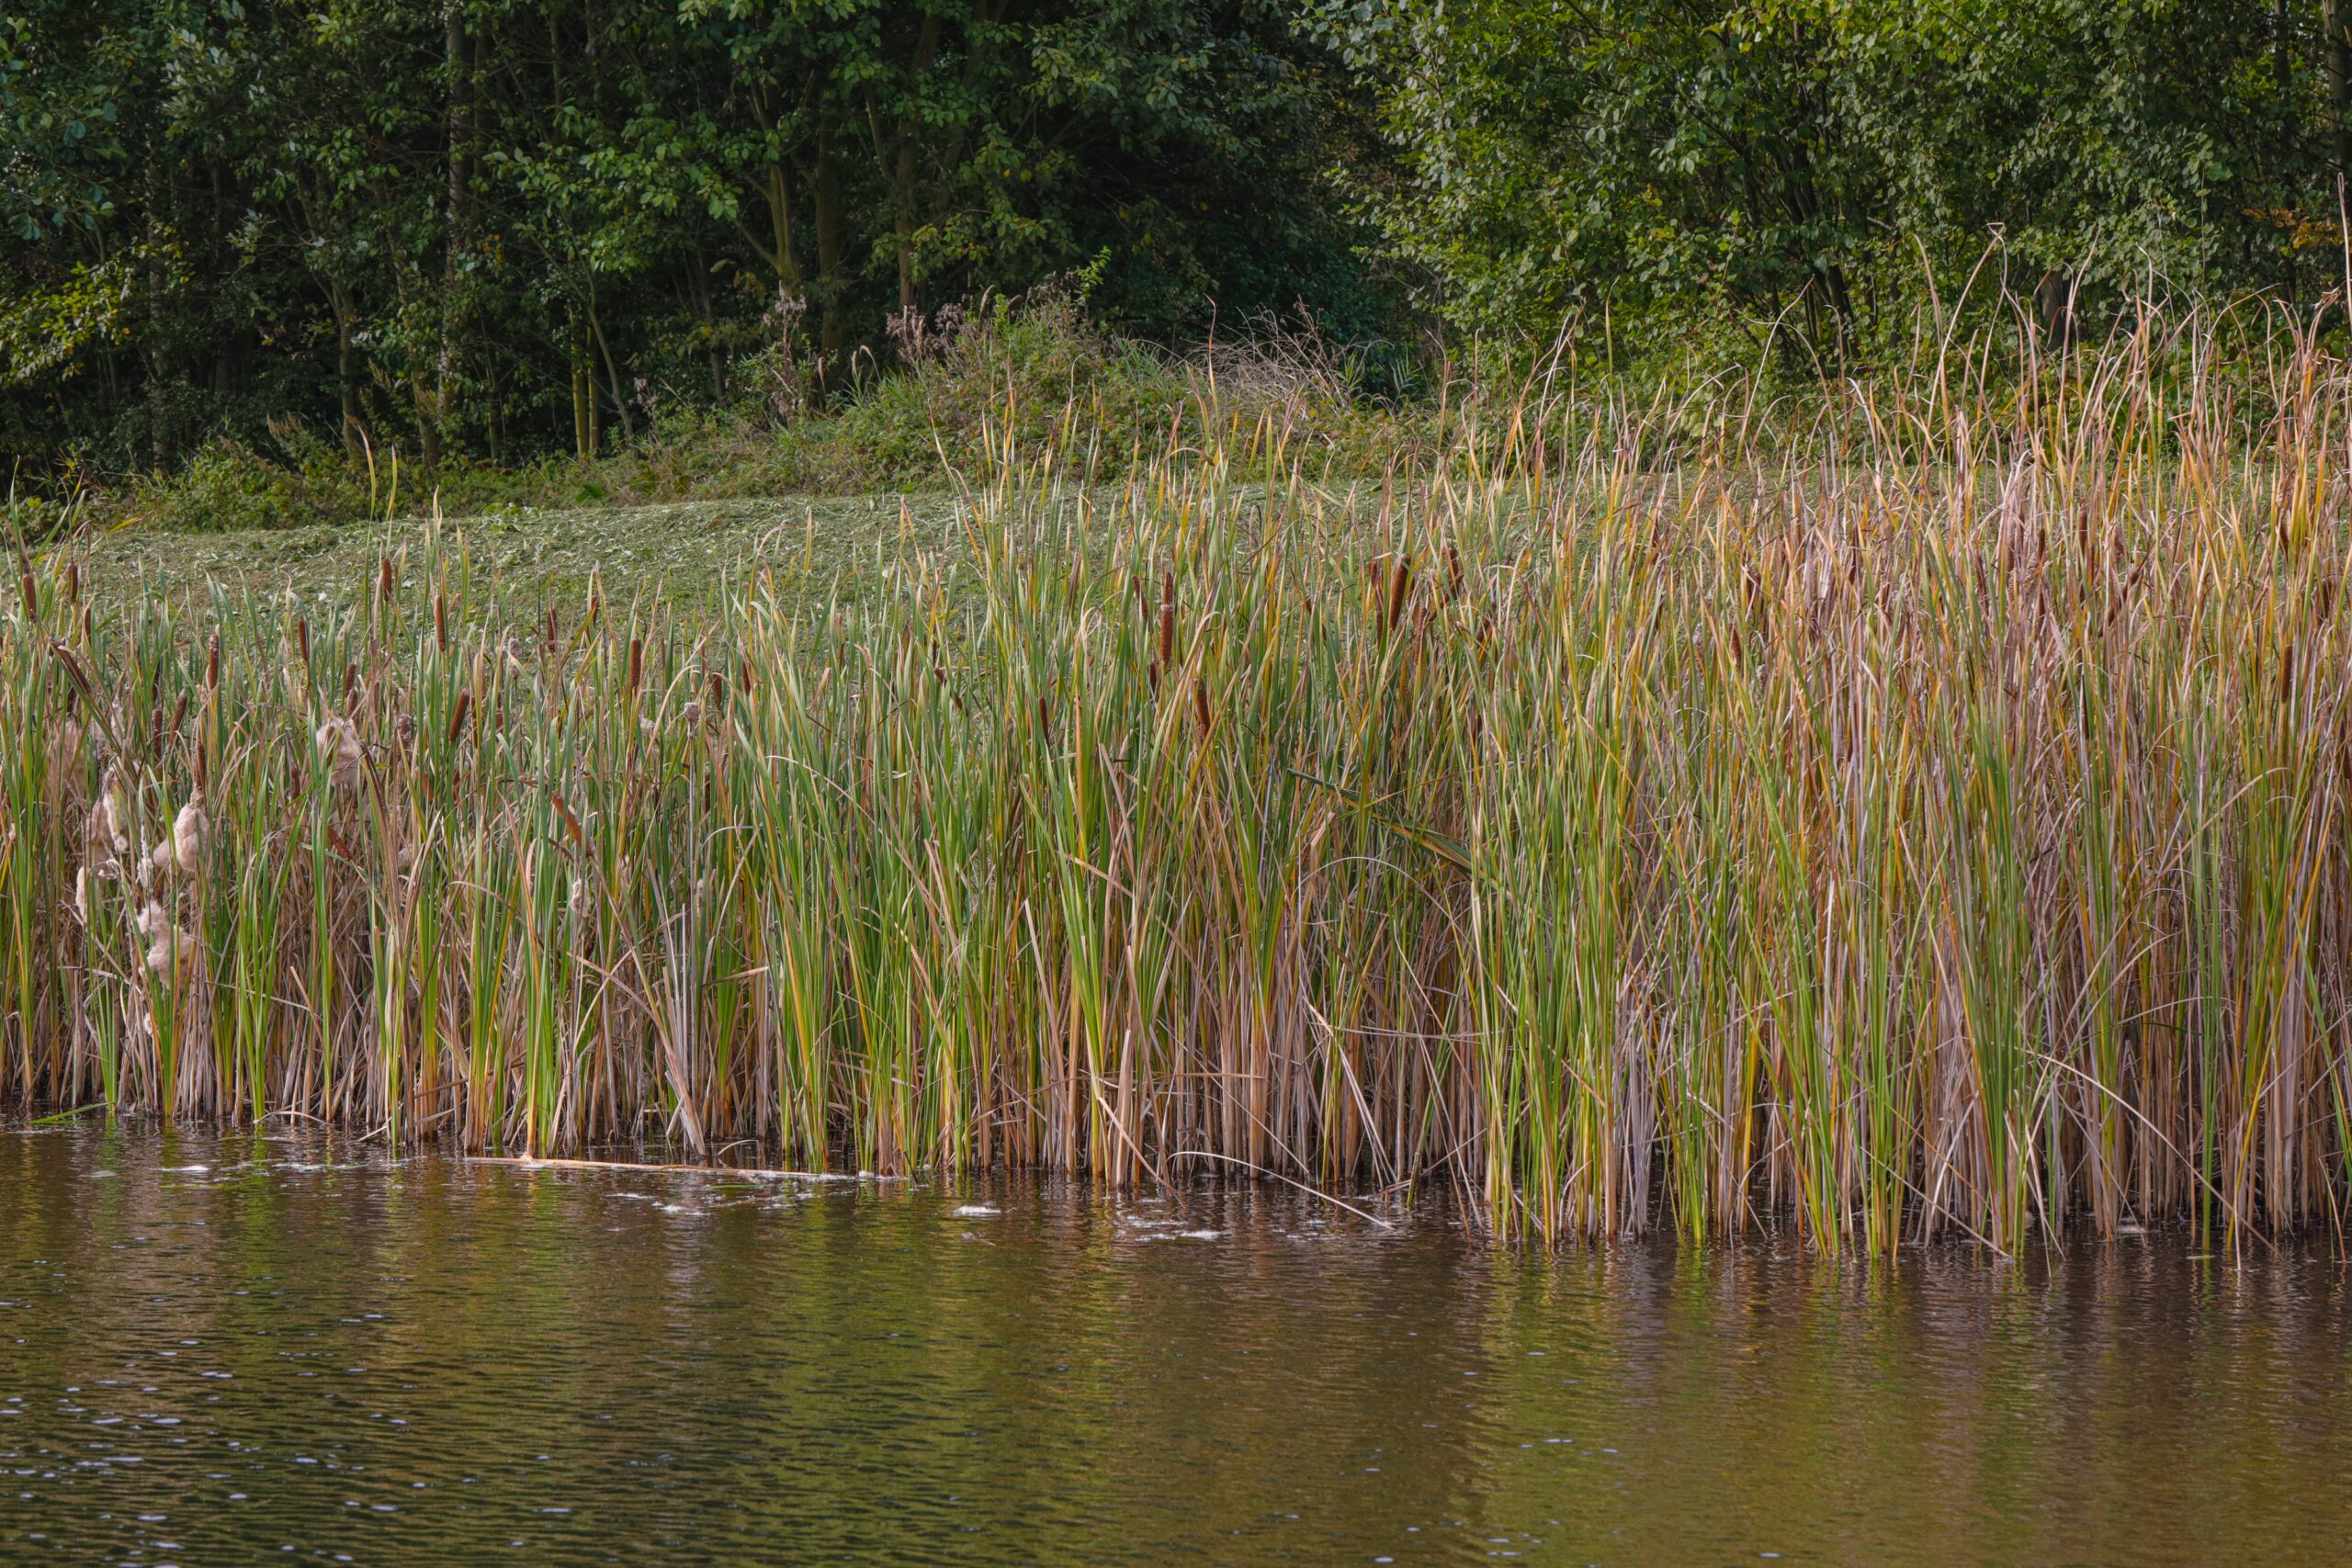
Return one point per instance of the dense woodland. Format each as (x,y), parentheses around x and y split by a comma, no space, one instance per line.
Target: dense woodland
(502,229)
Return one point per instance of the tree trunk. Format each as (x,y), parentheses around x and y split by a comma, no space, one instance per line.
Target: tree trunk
(612,376)
(2339,28)
(453,257)
(345,374)
(779,199)
(583,397)
(159,440)
(428,422)
(831,336)
(902,174)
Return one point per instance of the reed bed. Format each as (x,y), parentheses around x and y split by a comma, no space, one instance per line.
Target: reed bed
(1938,833)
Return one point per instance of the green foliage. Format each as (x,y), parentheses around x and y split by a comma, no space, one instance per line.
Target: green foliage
(1810,159)
(1033,373)
(506,228)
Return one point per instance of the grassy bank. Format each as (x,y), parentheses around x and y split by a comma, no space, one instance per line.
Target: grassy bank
(1935,833)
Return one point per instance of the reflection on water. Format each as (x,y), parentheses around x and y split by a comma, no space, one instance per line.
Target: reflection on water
(211,1349)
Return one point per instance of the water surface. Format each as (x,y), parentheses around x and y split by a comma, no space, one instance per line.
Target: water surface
(215,1350)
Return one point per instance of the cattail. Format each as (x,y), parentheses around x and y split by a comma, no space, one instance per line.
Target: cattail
(112,811)
(155,925)
(171,949)
(457,718)
(572,823)
(636,663)
(1396,590)
(440,621)
(350,682)
(302,636)
(338,743)
(1201,704)
(73,582)
(212,663)
(179,713)
(188,836)
(75,672)
(32,599)
(384,580)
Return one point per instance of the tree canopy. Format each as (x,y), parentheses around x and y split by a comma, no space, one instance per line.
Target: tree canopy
(1818,156)
(515,226)
(509,223)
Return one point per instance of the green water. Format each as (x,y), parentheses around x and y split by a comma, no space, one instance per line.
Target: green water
(306,1350)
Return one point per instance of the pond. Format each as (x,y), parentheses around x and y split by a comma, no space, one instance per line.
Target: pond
(216,1349)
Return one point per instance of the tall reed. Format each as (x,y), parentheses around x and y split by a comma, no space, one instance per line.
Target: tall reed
(1932,826)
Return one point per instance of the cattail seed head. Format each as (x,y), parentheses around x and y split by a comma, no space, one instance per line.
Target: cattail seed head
(339,748)
(189,833)
(113,811)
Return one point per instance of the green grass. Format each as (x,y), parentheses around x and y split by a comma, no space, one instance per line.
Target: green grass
(687,549)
